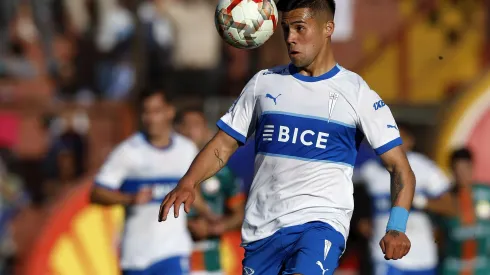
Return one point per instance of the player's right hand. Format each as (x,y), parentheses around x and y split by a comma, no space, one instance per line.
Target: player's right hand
(395,245)
(143,196)
(182,194)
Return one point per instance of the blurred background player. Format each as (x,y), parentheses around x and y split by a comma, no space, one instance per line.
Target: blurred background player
(221,192)
(466,243)
(431,195)
(137,175)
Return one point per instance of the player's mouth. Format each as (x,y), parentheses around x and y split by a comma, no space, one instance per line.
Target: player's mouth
(293,53)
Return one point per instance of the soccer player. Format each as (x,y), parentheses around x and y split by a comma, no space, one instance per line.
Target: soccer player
(308,118)
(431,196)
(221,192)
(467,236)
(138,174)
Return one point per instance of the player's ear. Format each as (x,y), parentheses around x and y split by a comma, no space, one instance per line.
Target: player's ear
(329,28)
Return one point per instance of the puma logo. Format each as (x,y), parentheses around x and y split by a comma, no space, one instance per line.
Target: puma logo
(321,267)
(273,98)
(391,126)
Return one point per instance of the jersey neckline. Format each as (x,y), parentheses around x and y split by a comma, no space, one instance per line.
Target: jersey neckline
(294,72)
(163,148)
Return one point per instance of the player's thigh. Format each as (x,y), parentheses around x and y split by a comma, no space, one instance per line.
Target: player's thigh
(178,265)
(317,252)
(264,257)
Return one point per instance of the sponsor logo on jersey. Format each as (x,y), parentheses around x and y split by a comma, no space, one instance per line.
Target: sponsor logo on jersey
(282,71)
(378,105)
(287,135)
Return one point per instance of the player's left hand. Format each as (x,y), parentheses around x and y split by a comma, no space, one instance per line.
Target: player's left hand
(182,194)
(395,245)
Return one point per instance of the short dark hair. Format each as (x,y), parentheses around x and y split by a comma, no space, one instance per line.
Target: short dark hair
(184,111)
(461,154)
(146,93)
(315,5)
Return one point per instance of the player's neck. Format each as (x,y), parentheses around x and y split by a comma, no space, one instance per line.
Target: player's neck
(322,64)
(161,140)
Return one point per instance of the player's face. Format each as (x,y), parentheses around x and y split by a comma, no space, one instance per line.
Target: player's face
(463,171)
(157,115)
(194,126)
(305,35)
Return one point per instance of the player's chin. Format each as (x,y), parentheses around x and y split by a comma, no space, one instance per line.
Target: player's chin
(297,62)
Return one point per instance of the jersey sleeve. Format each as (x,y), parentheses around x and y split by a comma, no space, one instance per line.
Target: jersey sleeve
(239,121)
(376,122)
(114,170)
(437,182)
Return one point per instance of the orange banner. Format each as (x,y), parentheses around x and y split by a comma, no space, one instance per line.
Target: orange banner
(82,239)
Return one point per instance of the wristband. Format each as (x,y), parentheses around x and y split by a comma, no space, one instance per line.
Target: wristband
(398,219)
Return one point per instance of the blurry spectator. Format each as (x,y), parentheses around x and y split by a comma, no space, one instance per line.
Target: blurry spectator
(431,195)
(467,236)
(15,64)
(198,46)
(116,73)
(160,36)
(221,192)
(41,11)
(65,163)
(11,198)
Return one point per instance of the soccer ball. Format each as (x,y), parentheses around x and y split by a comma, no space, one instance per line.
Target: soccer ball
(246,24)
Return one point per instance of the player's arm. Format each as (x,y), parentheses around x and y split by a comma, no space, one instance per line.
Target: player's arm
(395,244)
(211,159)
(104,196)
(235,126)
(379,127)
(444,204)
(402,180)
(105,191)
(436,198)
(208,162)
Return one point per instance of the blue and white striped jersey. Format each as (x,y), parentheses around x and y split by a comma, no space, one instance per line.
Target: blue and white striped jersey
(307,133)
(135,163)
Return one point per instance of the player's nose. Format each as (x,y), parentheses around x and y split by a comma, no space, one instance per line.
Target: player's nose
(290,39)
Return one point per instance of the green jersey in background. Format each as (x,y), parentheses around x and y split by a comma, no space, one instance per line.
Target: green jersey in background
(467,237)
(220,192)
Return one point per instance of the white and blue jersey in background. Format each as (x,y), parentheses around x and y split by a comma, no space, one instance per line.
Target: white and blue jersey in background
(431,183)
(135,164)
(307,133)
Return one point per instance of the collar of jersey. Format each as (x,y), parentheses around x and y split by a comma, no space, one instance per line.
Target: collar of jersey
(145,137)
(294,72)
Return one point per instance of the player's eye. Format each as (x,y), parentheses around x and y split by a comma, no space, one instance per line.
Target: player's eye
(300,28)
